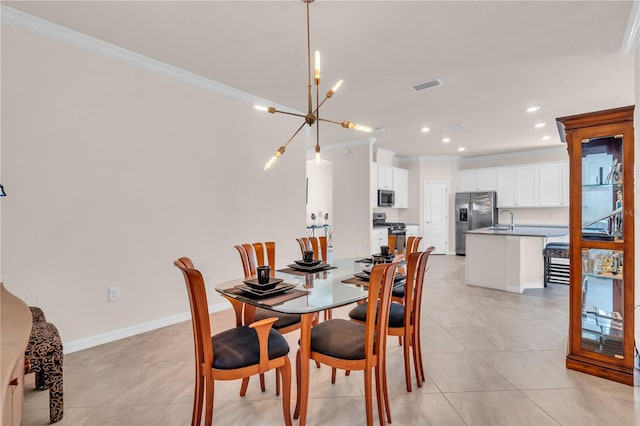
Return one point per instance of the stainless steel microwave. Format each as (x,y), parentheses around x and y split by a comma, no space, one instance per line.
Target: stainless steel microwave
(386,198)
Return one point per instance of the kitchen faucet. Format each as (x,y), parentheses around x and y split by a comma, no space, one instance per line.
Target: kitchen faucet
(511,213)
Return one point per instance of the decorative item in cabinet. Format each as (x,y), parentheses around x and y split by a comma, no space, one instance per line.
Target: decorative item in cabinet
(601,224)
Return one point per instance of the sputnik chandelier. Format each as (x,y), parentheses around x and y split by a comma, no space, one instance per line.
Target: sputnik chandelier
(313,115)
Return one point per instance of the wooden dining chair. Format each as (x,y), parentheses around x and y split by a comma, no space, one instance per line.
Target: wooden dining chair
(316,244)
(346,345)
(404,318)
(233,354)
(319,247)
(252,256)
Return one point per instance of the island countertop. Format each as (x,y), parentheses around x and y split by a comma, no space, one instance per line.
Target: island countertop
(524,230)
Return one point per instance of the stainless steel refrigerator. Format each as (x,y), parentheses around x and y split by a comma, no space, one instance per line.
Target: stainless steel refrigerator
(473,210)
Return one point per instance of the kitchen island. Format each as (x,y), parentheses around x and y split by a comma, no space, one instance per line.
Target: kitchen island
(509,259)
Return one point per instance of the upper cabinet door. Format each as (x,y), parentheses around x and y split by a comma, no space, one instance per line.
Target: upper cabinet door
(551,184)
(385,177)
(506,196)
(468,180)
(401,187)
(527,186)
(487,180)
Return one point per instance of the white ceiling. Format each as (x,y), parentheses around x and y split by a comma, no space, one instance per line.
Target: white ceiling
(495,58)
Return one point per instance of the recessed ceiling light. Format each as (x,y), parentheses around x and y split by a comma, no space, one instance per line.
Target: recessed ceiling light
(446,140)
(539,125)
(425,129)
(546,137)
(533,108)
(461,149)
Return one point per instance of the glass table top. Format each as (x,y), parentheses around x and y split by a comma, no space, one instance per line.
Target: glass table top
(326,289)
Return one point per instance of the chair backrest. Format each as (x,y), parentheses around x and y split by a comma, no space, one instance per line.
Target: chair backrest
(316,244)
(253,255)
(412,244)
(391,242)
(380,286)
(415,294)
(199,312)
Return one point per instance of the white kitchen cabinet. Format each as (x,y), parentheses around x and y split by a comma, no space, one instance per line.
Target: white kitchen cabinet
(373,184)
(553,185)
(487,179)
(401,187)
(468,180)
(379,237)
(527,186)
(506,187)
(385,177)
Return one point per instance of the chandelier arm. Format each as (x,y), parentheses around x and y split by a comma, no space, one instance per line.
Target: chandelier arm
(320,104)
(294,134)
(291,113)
(329,121)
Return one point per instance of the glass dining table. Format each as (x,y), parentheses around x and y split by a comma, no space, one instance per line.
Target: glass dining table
(314,292)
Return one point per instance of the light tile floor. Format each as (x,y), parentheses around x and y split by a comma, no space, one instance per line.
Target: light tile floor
(491,358)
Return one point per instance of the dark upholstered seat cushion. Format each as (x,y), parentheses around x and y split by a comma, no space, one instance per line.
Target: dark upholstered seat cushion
(396,314)
(338,338)
(239,347)
(398,291)
(284,320)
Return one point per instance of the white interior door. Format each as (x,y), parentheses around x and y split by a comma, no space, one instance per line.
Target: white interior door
(436,218)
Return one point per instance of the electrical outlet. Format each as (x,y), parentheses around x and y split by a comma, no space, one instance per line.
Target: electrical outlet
(114,293)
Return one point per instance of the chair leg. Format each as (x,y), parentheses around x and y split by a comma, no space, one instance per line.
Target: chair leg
(208,386)
(400,340)
(407,362)
(285,372)
(198,396)
(262,386)
(333,375)
(296,413)
(368,401)
(385,389)
(380,394)
(278,383)
(418,349)
(417,361)
(56,402)
(243,387)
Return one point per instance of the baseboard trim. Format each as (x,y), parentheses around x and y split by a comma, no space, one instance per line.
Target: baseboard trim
(112,336)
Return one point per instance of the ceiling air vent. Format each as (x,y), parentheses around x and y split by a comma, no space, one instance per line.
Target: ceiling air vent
(426,85)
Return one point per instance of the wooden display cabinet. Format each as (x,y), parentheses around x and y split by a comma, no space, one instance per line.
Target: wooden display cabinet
(600,146)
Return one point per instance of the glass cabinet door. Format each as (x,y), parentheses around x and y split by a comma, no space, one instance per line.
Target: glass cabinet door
(602,189)
(603,302)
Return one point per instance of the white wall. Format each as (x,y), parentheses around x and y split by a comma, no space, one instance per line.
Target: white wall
(352,206)
(113,172)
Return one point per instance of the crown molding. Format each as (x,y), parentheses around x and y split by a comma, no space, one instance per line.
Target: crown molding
(631,38)
(56,32)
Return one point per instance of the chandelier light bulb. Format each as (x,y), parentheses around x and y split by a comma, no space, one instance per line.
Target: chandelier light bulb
(362,128)
(273,159)
(263,108)
(317,154)
(316,73)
